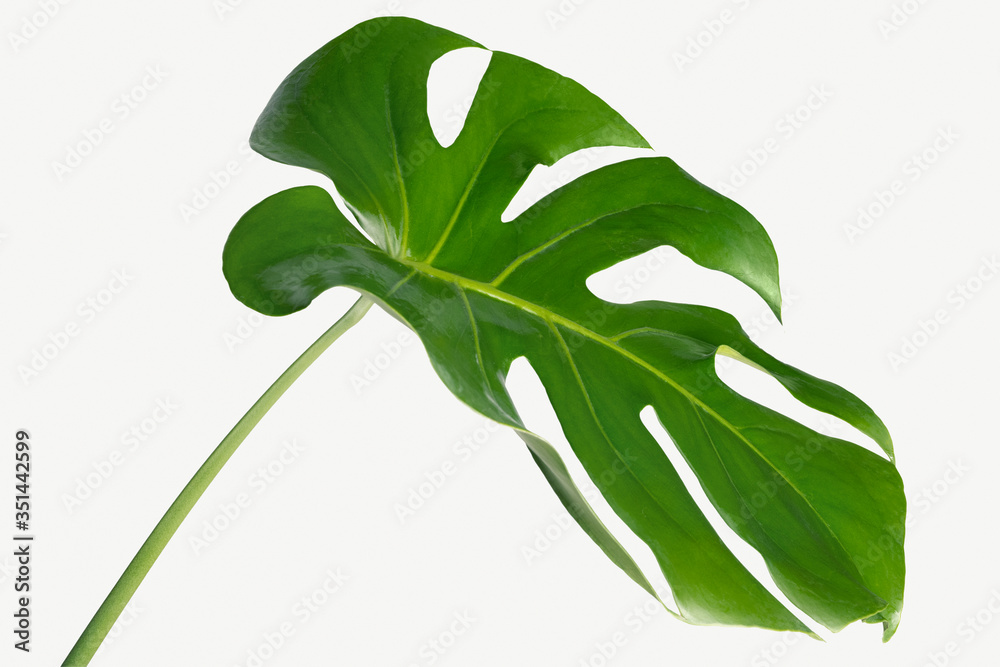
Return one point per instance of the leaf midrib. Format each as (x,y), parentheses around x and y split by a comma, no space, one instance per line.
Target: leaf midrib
(552,318)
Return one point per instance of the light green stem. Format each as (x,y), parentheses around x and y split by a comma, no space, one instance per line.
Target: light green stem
(119,596)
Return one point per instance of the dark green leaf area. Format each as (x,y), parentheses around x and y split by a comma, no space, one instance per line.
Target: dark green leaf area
(826,515)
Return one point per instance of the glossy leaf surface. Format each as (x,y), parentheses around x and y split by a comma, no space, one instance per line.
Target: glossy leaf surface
(825,514)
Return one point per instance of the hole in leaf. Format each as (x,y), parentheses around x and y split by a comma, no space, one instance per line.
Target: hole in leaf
(545,180)
(643,277)
(760,387)
(451,88)
(745,553)
(539,416)
(665,274)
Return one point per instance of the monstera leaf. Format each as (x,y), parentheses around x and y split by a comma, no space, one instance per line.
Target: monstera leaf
(481,293)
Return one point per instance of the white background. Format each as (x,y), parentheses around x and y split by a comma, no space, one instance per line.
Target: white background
(851,301)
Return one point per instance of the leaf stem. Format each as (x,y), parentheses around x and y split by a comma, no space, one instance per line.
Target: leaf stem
(136,571)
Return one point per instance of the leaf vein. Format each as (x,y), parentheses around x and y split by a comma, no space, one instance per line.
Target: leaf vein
(520,259)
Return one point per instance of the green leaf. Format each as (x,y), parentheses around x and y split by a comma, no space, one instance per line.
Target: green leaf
(826,515)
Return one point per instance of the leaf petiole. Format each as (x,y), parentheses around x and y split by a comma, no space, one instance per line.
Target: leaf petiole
(115,602)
